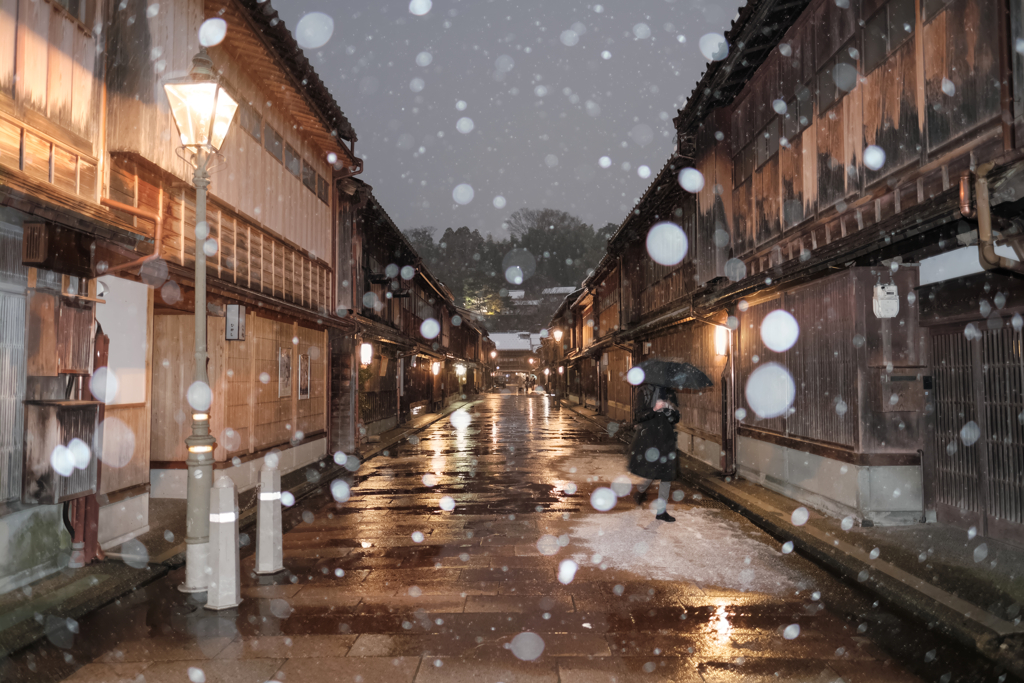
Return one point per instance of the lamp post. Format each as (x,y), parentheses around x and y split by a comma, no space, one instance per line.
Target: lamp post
(202,111)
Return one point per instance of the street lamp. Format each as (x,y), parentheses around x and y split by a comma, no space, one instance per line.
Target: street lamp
(202,111)
(558,335)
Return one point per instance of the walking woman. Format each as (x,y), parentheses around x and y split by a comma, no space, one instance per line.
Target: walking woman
(652,454)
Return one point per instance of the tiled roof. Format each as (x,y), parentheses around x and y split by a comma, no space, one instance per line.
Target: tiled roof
(270,25)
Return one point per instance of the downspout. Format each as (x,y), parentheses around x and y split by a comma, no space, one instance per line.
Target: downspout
(987,255)
(157,238)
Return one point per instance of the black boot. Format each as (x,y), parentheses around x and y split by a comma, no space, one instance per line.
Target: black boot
(665,517)
(640,496)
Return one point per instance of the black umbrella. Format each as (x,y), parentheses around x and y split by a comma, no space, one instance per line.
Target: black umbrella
(672,375)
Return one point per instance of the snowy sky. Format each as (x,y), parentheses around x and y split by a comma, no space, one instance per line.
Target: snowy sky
(548,88)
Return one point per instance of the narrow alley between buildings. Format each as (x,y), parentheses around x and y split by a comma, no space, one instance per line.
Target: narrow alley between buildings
(502,543)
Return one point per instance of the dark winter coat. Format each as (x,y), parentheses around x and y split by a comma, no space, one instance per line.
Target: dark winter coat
(652,453)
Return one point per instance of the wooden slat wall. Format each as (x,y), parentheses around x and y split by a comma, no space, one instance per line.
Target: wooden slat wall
(33,53)
(48,65)
(823,362)
(831,171)
(696,342)
(236,386)
(743,217)
(957,479)
(890,110)
(114,475)
(620,392)
(173,342)
(311,411)
(961,46)
(273,413)
(712,239)
(247,414)
(766,190)
(137,108)
(8,45)
(751,347)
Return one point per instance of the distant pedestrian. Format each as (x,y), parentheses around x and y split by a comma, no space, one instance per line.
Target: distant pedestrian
(652,453)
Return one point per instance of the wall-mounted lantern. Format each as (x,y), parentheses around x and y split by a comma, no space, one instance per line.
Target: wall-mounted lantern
(435,368)
(558,335)
(561,369)
(366,354)
(721,341)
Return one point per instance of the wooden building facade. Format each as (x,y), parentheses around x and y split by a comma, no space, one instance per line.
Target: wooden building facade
(417,352)
(842,150)
(91,184)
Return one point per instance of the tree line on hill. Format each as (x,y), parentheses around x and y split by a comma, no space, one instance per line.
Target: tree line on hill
(544,248)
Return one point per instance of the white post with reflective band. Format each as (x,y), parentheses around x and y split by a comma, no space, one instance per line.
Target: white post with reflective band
(269,552)
(223,591)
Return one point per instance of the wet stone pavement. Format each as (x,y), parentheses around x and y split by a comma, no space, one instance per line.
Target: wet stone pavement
(452,558)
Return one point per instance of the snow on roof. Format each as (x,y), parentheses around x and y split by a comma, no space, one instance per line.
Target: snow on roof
(561,291)
(515,341)
(516,293)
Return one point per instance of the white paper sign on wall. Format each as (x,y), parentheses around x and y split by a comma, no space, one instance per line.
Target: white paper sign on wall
(234,327)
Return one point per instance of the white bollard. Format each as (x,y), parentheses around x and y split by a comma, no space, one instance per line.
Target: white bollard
(269,552)
(224,591)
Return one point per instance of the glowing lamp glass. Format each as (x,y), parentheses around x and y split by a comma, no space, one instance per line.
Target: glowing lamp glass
(558,335)
(561,370)
(202,110)
(721,341)
(435,368)
(200,449)
(200,417)
(366,354)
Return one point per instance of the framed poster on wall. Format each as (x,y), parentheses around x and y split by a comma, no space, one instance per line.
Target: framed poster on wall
(284,372)
(303,376)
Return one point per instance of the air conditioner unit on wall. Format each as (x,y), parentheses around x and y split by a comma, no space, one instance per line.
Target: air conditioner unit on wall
(57,467)
(47,246)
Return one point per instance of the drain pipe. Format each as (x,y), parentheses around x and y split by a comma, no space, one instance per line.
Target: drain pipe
(157,238)
(987,255)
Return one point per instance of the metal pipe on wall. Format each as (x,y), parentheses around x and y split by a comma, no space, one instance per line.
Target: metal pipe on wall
(987,255)
(158,233)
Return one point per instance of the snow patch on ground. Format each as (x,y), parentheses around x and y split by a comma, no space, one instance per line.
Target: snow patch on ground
(592,468)
(701,547)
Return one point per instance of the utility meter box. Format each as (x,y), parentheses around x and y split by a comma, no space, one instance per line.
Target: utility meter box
(886,301)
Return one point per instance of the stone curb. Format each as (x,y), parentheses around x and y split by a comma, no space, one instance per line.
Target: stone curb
(992,637)
(445,412)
